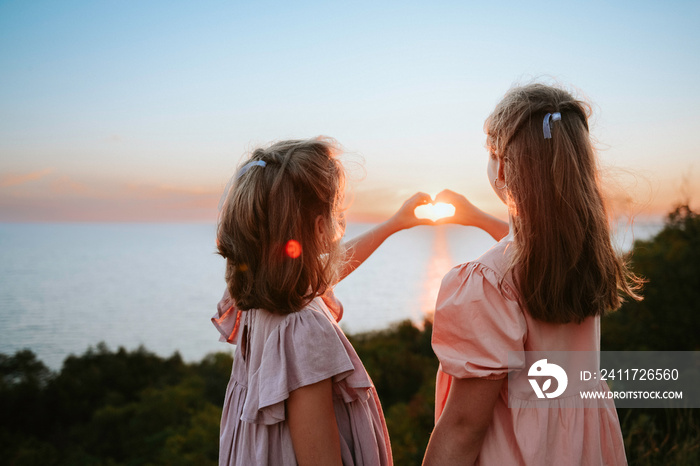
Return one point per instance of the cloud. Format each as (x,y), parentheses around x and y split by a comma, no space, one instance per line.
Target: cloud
(15,179)
(100,200)
(66,186)
(166,191)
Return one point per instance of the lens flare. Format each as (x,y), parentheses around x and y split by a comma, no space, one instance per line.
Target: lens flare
(293,248)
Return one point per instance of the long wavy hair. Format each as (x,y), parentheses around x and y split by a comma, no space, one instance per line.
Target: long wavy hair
(275,258)
(566,268)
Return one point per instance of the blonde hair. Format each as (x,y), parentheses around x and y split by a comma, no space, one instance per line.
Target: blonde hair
(275,259)
(566,267)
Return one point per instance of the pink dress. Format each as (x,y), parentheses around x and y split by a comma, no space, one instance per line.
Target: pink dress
(477,323)
(277,354)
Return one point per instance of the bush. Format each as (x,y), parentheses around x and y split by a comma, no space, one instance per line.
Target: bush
(111,408)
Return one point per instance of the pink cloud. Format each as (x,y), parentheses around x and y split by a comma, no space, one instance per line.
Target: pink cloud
(164,191)
(102,200)
(17,179)
(66,186)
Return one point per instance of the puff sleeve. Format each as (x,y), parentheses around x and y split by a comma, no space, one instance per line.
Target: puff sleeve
(305,348)
(478,321)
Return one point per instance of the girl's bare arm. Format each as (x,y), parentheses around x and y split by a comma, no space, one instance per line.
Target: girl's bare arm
(361,247)
(460,431)
(312,425)
(468,214)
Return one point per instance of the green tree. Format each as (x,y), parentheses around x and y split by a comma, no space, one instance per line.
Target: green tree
(402,365)
(111,408)
(23,379)
(668,319)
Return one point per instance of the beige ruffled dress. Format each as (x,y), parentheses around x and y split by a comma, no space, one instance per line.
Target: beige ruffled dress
(283,353)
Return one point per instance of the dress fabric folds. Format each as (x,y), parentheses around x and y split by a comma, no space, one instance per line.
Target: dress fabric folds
(481,331)
(277,354)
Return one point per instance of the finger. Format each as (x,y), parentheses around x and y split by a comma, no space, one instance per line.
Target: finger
(446,195)
(425,221)
(423,197)
(420,199)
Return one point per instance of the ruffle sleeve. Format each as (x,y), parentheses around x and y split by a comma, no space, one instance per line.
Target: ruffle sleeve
(478,321)
(227,319)
(305,348)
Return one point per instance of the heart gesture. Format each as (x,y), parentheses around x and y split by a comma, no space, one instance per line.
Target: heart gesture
(448,207)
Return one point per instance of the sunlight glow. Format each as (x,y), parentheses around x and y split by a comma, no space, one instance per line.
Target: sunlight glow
(434,211)
(440,263)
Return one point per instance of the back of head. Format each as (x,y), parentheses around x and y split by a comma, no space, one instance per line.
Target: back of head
(267,231)
(566,267)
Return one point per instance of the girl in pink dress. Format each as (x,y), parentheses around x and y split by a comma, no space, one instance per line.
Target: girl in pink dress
(543,287)
(298,392)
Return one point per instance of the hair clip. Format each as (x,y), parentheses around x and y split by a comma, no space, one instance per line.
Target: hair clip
(249,165)
(241,172)
(545,124)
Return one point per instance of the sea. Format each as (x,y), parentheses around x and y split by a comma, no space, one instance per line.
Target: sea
(66,287)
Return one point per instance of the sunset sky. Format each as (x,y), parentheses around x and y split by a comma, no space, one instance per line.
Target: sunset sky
(140,111)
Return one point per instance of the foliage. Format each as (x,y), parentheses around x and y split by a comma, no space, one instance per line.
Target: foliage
(111,408)
(661,436)
(403,367)
(668,319)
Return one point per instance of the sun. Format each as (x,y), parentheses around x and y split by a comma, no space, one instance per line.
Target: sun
(435,211)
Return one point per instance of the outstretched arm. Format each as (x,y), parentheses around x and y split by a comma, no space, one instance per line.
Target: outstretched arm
(468,214)
(361,247)
(460,431)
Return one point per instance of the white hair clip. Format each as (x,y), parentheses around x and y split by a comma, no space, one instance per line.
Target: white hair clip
(545,124)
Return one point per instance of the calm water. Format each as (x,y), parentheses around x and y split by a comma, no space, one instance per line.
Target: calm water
(64,287)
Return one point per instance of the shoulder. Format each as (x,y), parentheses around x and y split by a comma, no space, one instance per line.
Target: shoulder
(309,329)
(478,318)
(306,345)
(491,271)
(292,351)
(314,313)
(498,259)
